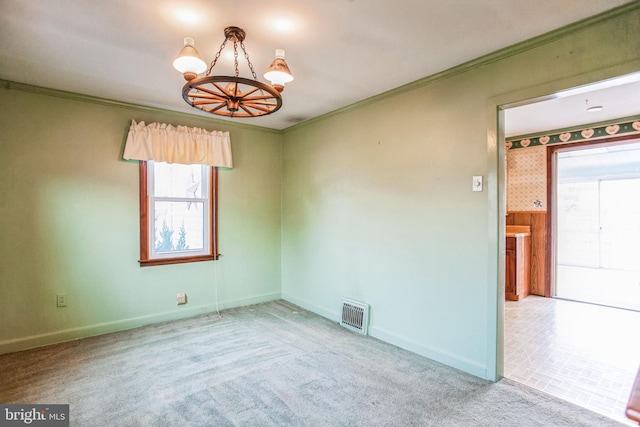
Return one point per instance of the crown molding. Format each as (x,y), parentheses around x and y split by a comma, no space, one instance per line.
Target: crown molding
(73,96)
(482,61)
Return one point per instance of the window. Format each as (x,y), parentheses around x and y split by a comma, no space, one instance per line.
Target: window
(178,213)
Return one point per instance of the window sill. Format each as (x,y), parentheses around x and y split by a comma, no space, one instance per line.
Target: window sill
(181,260)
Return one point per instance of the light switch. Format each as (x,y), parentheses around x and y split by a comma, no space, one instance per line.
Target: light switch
(477,183)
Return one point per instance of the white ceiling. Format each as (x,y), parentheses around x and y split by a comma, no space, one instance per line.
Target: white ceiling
(340,51)
(617,97)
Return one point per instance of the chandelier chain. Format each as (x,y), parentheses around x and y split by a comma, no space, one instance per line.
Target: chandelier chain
(235,57)
(246,56)
(215,59)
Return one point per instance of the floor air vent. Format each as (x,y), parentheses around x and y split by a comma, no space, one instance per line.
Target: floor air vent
(355,315)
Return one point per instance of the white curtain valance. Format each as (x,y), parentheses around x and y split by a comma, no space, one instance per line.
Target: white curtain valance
(165,143)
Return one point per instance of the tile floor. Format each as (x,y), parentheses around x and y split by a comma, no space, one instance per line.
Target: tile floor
(584,353)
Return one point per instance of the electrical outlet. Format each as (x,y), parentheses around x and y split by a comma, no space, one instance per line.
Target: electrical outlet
(181,298)
(61,300)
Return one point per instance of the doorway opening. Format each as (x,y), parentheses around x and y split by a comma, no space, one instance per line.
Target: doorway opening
(574,350)
(597,223)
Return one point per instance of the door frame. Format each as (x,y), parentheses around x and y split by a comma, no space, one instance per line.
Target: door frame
(495,107)
(551,226)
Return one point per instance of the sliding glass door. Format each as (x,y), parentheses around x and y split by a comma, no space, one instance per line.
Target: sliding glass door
(598,225)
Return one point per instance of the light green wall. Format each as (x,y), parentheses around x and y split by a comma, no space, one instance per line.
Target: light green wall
(69,222)
(372,202)
(377,200)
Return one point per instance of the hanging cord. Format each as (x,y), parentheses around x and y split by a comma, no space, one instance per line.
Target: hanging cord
(215,284)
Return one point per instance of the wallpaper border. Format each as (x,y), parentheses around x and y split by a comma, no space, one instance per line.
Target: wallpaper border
(587,133)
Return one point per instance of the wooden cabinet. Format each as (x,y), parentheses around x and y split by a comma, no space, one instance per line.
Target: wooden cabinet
(510,276)
(517,260)
(537,223)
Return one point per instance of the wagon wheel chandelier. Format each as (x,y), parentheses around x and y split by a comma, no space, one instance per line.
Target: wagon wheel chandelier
(231,96)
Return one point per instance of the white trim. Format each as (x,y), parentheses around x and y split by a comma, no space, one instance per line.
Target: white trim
(205,200)
(55,337)
(470,366)
(439,355)
(331,315)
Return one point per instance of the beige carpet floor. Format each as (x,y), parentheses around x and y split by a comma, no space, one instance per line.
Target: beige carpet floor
(271,364)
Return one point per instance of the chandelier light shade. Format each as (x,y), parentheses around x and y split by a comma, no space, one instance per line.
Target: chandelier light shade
(231,96)
(278,72)
(189,62)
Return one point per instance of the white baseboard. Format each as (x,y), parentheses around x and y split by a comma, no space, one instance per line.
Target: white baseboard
(438,355)
(446,358)
(24,343)
(249,301)
(331,315)
(55,337)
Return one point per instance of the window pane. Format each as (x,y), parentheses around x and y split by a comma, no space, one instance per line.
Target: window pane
(173,180)
(180,226)
(578,228)
(177,216)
